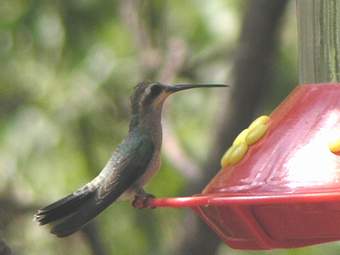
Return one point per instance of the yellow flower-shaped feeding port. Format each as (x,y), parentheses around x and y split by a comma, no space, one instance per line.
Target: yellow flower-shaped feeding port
(335,146)
(241,138)
(256,133)
(260,120)
(234,154)
(247,137)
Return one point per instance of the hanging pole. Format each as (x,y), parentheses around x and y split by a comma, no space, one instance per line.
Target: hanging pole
(319,40)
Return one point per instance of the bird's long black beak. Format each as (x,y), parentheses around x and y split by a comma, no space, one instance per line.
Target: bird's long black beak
(180,87)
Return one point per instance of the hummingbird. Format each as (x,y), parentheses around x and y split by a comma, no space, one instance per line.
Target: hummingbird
(130,167)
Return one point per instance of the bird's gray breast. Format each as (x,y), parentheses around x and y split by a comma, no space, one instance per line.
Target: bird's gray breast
(151,169)
(155,163)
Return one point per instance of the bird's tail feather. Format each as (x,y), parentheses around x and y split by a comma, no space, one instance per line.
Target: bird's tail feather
(78,219)
(62,207)
(72,212)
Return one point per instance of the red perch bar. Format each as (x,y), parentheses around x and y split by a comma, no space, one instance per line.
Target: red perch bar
(285,191)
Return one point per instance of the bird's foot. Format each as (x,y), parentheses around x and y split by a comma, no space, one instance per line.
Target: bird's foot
(142,200)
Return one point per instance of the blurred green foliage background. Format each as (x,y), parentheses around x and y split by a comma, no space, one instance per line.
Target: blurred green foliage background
(66,71)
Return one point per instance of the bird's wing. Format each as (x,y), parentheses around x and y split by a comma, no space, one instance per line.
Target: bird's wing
(125,168)
(127,165)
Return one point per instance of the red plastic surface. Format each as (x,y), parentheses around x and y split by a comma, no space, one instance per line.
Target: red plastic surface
(294,155)
(286,191)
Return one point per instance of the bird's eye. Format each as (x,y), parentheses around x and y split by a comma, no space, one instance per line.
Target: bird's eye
(151,93)
(155,90)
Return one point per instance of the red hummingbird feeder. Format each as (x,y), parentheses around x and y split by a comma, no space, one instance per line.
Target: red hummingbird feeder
(279,186)
(284,192)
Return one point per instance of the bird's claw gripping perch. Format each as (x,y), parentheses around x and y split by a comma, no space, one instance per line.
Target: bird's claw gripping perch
(142,200)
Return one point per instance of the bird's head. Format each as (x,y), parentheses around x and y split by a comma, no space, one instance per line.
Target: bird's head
(148,97)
